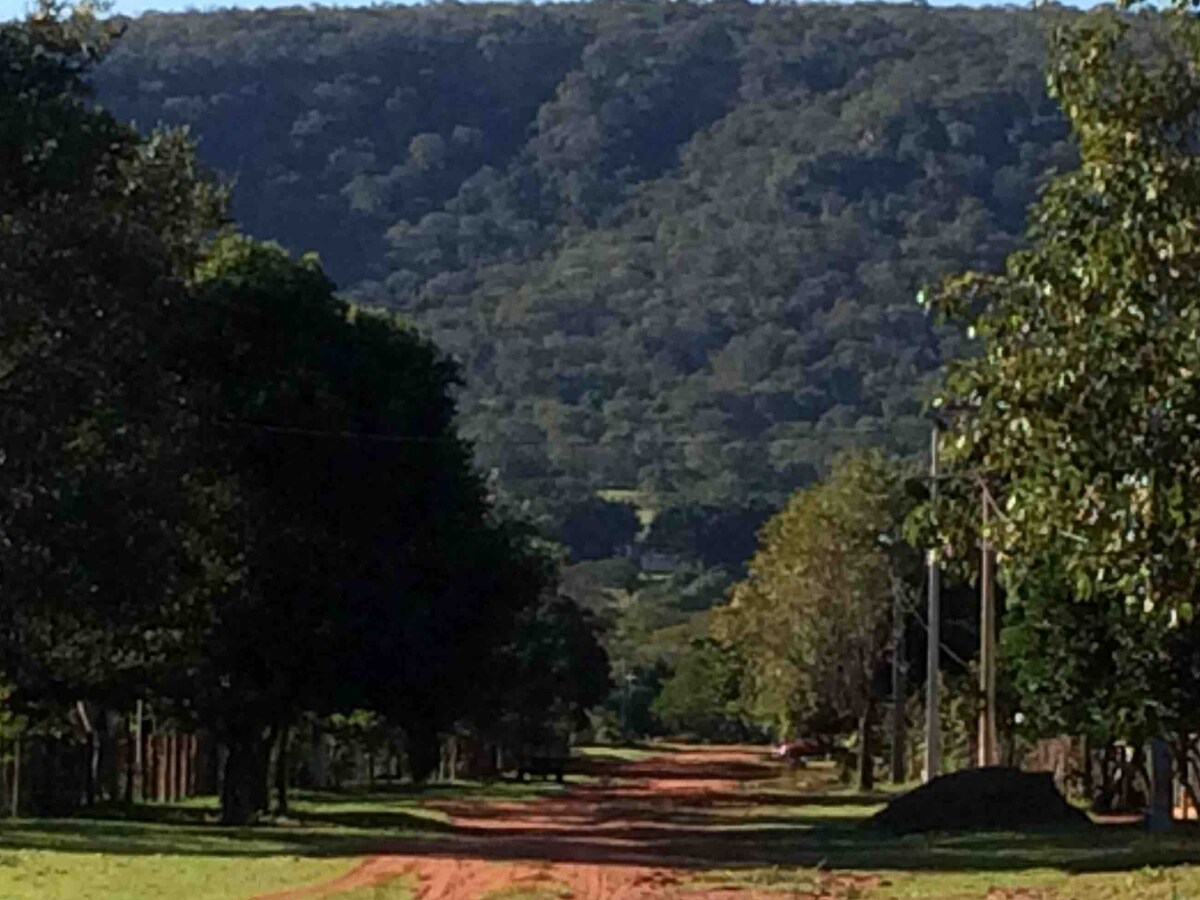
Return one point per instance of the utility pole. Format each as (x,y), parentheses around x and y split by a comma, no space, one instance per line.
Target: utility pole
(987,640)
(933,737)
(898,686)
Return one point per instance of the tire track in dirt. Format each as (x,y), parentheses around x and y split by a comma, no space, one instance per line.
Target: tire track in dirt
(580,840)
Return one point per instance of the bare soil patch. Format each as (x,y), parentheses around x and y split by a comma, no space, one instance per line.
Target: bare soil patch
(631,837)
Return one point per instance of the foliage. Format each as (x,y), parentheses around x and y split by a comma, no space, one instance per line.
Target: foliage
(1083,398)
(1080,407)
(229,491)
(813,621)
(1098,668)
(673,247)
(701,698)
(596,529)
(358,521)
(552,673)
(98,228)
(788,837)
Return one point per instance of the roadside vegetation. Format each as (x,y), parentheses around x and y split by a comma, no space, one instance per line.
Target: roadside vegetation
(263,566)
(791,832)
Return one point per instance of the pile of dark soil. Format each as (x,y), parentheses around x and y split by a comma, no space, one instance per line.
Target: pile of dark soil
(995,797)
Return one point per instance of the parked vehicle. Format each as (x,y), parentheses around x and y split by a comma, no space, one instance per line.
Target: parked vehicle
(798,752)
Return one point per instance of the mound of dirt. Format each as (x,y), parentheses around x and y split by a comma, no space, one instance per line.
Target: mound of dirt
(995,797)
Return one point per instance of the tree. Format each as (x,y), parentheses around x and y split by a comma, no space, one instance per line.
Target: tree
(597,529)
(99,227)
(1083,396)
(551,673)
(680,256)
(357,534)
(701,699)
(813,619)
(227,490)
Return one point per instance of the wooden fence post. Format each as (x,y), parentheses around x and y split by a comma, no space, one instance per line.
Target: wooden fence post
(172,767)
(138,775)
(160,767)
(181,767)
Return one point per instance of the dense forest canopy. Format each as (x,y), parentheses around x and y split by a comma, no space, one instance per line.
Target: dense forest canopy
(675,247)
(228,493)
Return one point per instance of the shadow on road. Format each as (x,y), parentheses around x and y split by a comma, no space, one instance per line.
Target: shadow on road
(709,808)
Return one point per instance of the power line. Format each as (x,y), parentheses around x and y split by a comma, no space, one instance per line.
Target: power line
(916,614)
(648,439)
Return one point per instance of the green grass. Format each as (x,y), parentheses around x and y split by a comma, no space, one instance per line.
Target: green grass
(73,875)
(796,833)
(177,851)
(392,889)
(1150,883)
(631,753)
(811,826)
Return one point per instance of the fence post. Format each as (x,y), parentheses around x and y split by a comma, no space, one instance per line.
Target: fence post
(172,767)
(138,775)
(181,770)
(159,742)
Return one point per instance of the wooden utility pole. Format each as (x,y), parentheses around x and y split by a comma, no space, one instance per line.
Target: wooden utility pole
(898,686)
(987,641)
(933,737)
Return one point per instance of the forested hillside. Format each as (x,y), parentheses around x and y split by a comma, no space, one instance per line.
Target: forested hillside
(675,246)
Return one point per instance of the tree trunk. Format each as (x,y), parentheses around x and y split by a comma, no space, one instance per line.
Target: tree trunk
(1183,765)
(899,687)
(1106,799)
(242,781)
(1131,764)
(424,751)
(137,779)
(1087,770)
(15,796)
(89,770)
(1159,805)
(320,759)
(262,784)
(281,773)
(866,761)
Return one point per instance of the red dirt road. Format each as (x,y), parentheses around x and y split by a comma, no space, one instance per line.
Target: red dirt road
(629,838)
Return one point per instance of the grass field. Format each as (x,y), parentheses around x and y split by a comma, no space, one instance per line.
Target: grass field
(634,753)
(178,852)
(797,835)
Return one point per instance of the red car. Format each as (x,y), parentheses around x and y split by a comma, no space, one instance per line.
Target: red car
(796,752)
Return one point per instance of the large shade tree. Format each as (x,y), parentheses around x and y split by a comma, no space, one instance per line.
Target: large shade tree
(365,569)
(225,489)
(1081,409)
(1083,402)
(813,621)
(99,227)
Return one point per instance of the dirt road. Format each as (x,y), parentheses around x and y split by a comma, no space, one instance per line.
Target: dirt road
(632,831)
